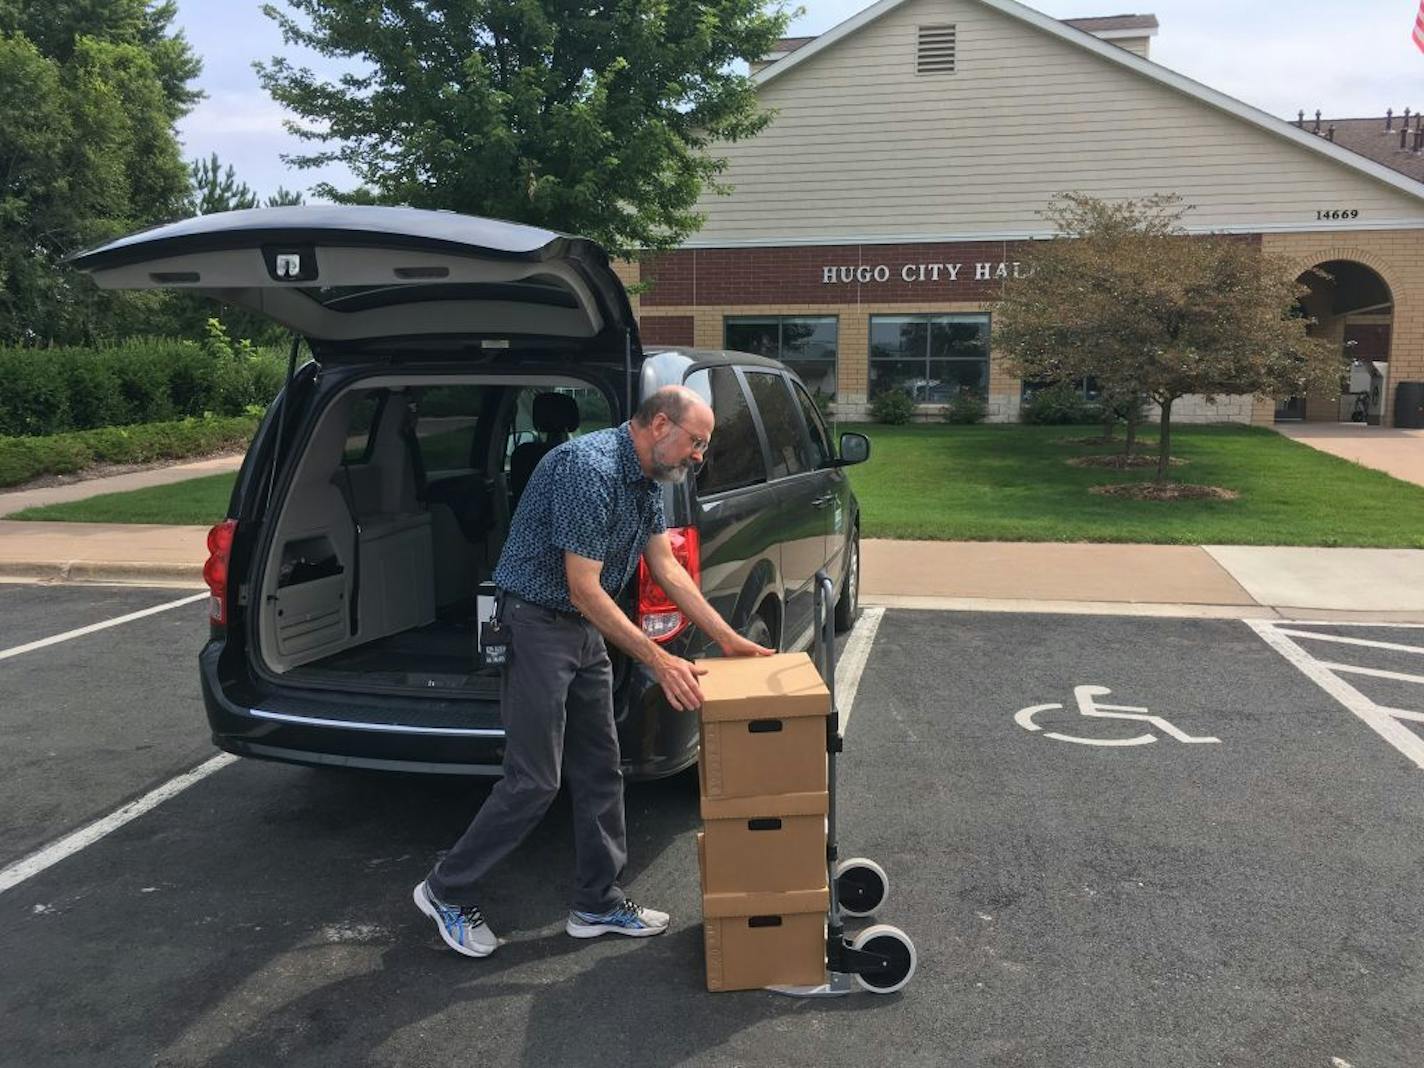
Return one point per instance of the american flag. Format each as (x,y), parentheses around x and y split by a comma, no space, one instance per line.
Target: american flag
(1419,27)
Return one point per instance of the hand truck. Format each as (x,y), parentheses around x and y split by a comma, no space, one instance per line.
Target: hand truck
(880,958)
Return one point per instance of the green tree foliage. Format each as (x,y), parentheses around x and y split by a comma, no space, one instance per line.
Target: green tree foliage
(217,189)
(1122,294)
(592,117)
(89,92)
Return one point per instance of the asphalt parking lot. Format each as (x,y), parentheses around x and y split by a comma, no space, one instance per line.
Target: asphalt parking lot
(1239,888)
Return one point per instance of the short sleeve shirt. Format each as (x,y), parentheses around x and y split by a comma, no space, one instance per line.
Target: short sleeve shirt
(588,496)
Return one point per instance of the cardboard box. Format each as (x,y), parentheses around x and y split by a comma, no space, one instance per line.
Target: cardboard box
(763,722)
(757,844)
(764,939)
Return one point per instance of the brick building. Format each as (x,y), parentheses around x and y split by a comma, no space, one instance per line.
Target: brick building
(869,227)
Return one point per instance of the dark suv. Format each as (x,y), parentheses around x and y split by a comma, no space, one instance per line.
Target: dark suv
(448,354)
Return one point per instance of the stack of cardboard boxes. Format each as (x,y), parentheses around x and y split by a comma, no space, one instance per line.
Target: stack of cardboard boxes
(763,848)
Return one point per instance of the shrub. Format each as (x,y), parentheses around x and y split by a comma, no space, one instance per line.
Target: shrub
(33,399)
(893,407)
(1059,404)
(966,408)
(24,458)
(50,391)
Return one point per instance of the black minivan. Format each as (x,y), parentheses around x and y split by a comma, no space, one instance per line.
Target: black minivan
(447,355)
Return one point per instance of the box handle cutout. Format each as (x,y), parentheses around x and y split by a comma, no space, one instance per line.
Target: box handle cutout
(770,824)
(763,921)
(764,726)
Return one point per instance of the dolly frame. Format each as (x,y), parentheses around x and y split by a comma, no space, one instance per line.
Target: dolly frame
(843,961)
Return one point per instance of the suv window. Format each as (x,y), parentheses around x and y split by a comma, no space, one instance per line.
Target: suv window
(789,451)
(360,428)
(734,459)
(820,441)
(445,425)
(594,414)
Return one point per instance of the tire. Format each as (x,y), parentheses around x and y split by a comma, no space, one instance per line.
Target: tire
(889,942)
(757,630)
(861,886)
(848,600)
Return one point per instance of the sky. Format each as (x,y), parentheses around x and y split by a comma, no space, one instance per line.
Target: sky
(1349,58)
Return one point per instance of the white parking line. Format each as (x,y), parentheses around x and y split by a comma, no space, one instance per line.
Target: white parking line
(1377,673)
(70,844)
(80,632)
(1384,721)
(851,664)
(1341,639)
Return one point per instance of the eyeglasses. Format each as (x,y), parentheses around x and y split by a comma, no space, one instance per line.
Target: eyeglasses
(698,444)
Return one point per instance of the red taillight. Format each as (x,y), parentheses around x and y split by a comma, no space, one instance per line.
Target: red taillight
(659,617)
(215,570)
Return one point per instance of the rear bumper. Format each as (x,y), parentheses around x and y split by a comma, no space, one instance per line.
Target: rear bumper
(655,740)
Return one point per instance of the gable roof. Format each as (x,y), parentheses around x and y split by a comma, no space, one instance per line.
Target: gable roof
(1368,137)
(1084,39)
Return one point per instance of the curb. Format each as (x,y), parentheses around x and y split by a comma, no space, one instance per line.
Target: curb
(134,572)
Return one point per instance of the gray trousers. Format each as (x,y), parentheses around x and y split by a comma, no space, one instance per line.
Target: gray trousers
(556,701)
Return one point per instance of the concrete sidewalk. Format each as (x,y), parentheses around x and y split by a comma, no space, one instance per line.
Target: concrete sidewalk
(1394,451)
(12,501)
(1179,580)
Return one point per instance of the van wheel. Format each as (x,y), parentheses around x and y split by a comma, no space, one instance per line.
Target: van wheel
(757,630)
(848,603)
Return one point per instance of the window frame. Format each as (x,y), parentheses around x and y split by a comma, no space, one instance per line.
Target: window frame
(780,357)
(929,319)
(785,380)
(763,445)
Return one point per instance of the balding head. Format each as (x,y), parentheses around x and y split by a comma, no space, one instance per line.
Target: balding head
(671,401)
(671,430)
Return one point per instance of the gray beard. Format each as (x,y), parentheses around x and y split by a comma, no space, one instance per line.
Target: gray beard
(670,473)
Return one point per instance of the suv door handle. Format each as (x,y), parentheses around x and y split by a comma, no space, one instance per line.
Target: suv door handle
(822,501)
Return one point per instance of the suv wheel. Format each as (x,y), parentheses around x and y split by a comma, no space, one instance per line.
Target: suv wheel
(759,631)
(848,603)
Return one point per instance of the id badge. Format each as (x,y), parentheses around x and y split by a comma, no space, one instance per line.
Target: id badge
(494,643)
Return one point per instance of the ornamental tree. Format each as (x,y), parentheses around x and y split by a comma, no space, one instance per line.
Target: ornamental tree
(1122,294)
(582,116)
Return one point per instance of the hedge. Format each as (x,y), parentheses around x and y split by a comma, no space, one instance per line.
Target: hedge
(51,391)
(24,458)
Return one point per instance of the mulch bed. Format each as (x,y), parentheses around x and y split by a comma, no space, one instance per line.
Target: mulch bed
(1118,440)
(1119,462)
(1170,491)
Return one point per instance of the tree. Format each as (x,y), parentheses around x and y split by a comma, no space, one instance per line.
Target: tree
(216,189)
(1122,294)
(576,115)
(89,92)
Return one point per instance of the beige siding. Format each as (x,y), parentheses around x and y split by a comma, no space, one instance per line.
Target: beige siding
(864,148)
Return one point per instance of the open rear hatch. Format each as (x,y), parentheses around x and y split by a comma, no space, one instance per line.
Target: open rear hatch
(352,279)
(353,580)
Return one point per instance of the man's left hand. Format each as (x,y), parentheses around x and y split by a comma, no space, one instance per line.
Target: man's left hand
(736,645)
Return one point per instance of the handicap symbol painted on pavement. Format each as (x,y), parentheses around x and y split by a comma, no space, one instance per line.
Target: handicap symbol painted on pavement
(1085,696)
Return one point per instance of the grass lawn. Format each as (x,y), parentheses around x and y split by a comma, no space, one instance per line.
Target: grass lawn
(198,501)
(1010,483)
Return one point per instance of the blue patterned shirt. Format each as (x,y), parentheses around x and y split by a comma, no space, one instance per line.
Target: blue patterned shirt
(587,496)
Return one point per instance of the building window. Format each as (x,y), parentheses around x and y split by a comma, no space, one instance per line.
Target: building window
(806,344)
(930,357)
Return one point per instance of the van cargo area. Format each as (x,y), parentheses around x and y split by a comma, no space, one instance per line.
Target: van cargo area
(388,532)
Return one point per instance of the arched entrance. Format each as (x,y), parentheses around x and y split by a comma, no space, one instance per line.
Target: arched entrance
(1353,307)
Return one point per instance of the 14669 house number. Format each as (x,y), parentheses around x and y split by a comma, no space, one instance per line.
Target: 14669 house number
(1339,213)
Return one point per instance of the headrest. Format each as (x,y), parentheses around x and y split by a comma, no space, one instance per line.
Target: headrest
(555,413)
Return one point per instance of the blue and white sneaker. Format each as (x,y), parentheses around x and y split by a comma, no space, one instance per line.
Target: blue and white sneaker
(629,918)
(462,927)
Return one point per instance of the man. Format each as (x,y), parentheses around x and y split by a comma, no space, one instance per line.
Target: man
(591,508)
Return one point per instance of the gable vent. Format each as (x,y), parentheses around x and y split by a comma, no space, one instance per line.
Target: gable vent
(936,50)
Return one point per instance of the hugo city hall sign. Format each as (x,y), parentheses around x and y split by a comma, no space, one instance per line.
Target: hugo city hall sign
(907,273)
(983,271)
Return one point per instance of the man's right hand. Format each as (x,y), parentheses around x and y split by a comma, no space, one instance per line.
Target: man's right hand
(678,678)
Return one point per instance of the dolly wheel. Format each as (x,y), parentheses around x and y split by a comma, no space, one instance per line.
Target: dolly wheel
(890,942)
(861,886)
